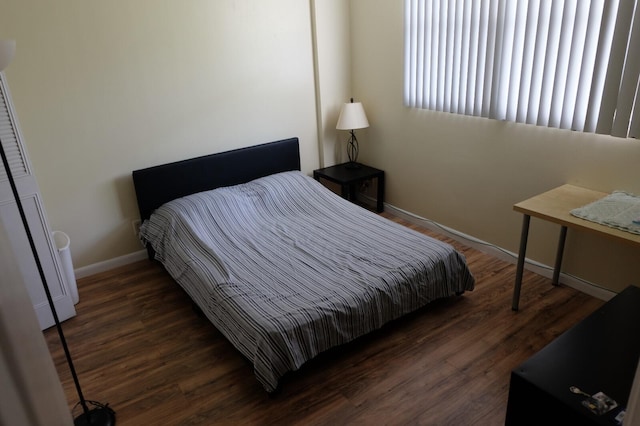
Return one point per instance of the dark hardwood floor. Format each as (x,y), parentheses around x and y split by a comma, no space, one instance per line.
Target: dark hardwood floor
(138,345)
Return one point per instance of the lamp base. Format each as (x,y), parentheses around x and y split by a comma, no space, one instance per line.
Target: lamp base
(102,416)
(352,149)
(351,165)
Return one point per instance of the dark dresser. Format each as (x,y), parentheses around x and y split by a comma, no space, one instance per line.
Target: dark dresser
(599,354)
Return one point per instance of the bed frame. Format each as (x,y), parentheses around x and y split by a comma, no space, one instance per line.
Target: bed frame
(262,339)
(157,185)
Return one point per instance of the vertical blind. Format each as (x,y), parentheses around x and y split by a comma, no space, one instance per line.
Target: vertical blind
(571,64)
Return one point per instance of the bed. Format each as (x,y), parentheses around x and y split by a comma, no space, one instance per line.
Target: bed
(284,268)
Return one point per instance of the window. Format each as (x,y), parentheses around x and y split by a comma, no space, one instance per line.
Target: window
(571,64)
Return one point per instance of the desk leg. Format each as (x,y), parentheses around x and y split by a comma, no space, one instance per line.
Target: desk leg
(521,256)
(558,266)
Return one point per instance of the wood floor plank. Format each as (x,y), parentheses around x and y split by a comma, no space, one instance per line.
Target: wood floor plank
(138,344)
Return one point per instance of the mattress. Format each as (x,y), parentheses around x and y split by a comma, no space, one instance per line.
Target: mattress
(286,269)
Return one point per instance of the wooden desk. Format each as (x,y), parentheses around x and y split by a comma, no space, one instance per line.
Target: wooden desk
(555,206)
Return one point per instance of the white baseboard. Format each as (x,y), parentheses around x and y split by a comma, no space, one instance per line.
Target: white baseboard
(107,265)
(502,254)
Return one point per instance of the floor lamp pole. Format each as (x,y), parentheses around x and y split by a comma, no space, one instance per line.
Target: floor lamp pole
(89,417)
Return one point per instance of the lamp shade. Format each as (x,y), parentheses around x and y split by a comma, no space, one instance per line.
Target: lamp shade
(352,116)
(7,50)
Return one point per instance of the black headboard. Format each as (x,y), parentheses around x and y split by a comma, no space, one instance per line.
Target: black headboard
(159,184)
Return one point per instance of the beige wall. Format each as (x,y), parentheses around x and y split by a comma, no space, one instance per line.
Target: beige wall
(104,88)
(467,173)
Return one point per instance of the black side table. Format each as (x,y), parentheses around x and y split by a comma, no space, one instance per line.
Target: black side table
(348,177)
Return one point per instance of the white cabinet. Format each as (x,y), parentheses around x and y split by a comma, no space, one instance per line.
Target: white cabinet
(27,187)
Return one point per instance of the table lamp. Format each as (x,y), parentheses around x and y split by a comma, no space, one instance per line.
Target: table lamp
(352,117)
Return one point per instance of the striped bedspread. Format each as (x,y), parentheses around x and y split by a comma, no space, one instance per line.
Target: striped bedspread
(286,269)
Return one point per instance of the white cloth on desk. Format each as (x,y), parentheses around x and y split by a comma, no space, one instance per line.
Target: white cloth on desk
(618,210)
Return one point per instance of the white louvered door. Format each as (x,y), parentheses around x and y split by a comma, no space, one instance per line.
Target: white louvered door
(11,139)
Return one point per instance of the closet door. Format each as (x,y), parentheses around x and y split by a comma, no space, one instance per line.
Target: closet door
(11,140)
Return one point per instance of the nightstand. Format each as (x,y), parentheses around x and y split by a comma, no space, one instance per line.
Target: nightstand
(348,179)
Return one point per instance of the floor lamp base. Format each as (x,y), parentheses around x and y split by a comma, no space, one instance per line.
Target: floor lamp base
(102,416)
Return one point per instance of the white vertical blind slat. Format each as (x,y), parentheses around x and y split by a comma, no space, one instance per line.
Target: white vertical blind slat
(614,69)
(449,55)
(517,59)
(537,71)
(629,83)
(435,55)
(528,51)
(457,57)
(607,26)
(409,66)
(492,24)
(550,67)
(420,53)
(463,78)
(502,69)
(474,31)
(441,26)
(498,74)
(565,41)
(591,36)
(426,87)
(576,53)
(483,37)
